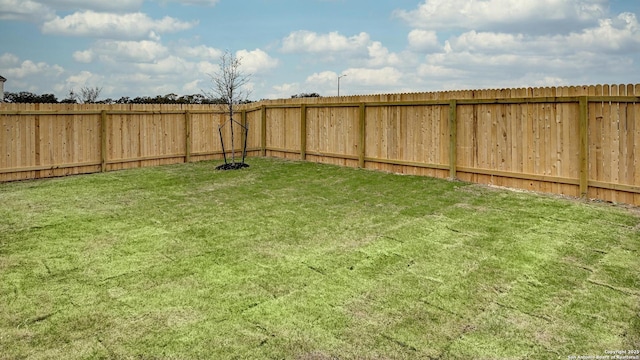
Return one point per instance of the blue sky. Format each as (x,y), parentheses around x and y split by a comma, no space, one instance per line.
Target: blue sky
(156,47)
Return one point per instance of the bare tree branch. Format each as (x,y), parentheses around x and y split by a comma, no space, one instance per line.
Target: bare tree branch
(228,85)
(87,95)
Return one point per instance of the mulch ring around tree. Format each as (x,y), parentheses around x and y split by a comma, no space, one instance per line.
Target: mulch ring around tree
(232,166)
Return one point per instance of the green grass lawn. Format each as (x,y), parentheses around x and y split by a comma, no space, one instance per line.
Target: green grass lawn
(293,260)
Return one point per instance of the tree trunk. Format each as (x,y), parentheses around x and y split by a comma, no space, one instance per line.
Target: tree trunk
(233,148)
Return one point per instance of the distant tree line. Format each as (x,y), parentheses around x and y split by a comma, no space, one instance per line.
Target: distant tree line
(28,97)
(164,99)
(90,96)
(305,95)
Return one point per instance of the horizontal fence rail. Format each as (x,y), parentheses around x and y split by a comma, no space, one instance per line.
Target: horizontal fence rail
(577,141)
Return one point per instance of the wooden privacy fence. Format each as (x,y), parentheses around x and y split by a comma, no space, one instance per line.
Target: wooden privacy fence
(578,141)
(46,140)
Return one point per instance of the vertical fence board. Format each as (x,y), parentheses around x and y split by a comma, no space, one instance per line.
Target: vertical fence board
(453,139)
(595,133)
(263,130)
(627,148)
(614,143)
(187,137)
(568,155)
(636,145)
(584,147)
(362,135)
(303,132)
(466,137)
(605,144)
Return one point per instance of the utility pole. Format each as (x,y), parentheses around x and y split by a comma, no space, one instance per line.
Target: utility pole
(339,77)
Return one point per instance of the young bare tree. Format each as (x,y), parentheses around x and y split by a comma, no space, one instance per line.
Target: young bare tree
(87,95)
(228,86)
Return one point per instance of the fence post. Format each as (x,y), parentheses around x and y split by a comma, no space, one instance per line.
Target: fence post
(303,132)
(103,141)
(37,143)
(362,140)
(584,145)
(187,136)
(263,135)
(453,137)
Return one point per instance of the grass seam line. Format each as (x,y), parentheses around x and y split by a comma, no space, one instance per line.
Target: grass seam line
(401,343)
(622,290)
(543,317)
(38,319)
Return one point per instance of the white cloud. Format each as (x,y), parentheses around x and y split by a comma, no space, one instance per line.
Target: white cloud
(325,77)
(256,61)
(113,26)
(192,87)
(380,55)
(114,52)
(492,59)
(423,40)
(357,50)
(133,51)
(287,88)
(324,83)
(28,75)
(98,5)
(541,80)
(201,52)
(86,56)
(619,34)
(431,71)
(83,79)
(494,14)
(479,65)
(197,2)
(284,91)
(488,42)
(29,68)
(169,65)
(25,10)
(8,60)
(206,67)
(310,42)
(387,76)
(452,44)
(357,80)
